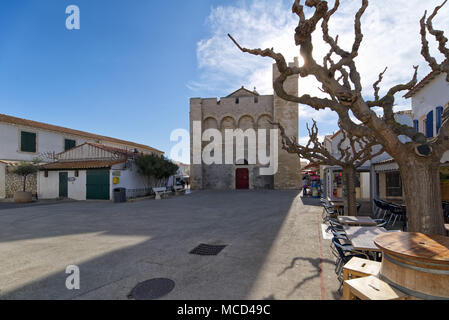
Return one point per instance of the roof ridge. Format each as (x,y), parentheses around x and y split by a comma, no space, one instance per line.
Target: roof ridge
(46,126)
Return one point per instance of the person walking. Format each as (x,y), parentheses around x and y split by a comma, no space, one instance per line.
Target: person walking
(305,184)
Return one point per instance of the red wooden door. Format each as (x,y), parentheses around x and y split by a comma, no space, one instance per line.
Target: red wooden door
(242,179)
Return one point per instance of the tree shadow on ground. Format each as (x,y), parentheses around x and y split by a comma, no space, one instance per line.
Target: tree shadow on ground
(315,262)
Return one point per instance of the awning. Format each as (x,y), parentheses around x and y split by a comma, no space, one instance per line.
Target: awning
(80,165)
(387,165)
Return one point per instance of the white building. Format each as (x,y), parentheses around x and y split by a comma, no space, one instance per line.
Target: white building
(430,99)
(370,175)
(26,140)
(90,172)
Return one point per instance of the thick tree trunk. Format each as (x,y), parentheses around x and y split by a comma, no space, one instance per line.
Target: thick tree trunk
(349,194)
(421,181)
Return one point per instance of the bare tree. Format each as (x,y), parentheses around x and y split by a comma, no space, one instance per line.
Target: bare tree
(419,159)
(352,153)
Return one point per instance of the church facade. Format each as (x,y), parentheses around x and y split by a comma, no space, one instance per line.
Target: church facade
(245,109)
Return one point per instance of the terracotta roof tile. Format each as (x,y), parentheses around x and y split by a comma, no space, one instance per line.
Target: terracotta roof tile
(50,127)
(75,165)
(423,82)
(391,160)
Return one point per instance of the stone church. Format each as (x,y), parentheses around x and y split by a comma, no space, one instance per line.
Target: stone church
(245,109)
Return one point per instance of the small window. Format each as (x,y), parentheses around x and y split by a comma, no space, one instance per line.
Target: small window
(69,144)
(28,142)
(77,173)
(237,101)
(394,184)
(46,173)
(256,99)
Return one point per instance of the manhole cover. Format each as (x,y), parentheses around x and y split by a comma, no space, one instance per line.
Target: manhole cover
(207,250)
(152,289)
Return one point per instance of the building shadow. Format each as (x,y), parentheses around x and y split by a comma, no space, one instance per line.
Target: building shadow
(309,201)
(168,229)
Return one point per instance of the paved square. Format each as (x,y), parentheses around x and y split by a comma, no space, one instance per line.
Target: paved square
(274,247)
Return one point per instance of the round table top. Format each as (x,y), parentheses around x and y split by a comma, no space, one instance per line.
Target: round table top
(429,248)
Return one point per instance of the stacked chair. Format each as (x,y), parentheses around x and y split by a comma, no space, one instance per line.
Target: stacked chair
(341,247)
(390,213)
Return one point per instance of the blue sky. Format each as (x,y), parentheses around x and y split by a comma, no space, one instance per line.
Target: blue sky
(130,70)
(123,74)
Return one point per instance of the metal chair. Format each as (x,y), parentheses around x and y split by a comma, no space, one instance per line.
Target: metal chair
(344,254)
(380,207)
(381,223)
(328,212)
(395,213)
(446,211)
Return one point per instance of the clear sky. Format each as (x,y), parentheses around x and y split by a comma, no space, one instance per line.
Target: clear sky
(123,74)
(130,70)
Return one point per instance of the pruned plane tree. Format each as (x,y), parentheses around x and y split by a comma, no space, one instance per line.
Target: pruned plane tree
(351,153)
(419,158)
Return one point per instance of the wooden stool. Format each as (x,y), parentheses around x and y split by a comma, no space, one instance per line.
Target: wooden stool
(371,288)
(359,268)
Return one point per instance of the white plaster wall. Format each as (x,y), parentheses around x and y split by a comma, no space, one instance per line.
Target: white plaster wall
(365,183)
(434,94)
(129,178)
(2,181)
(77,188)
(48,188)
(47,141)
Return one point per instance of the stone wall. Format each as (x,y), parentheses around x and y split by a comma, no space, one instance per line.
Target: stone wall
(222,177)
(289,173)
(245,110)
(15,183)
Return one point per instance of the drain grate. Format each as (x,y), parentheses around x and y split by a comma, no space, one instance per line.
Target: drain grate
(208,250)
(152,289)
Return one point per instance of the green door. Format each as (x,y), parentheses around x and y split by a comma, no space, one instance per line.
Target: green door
(97,185)
(63,184)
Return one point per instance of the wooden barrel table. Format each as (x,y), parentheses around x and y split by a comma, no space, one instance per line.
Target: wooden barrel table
(415,263)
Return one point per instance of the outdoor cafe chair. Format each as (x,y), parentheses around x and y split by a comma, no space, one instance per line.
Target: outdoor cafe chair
(383,208)
(446,210)
(381,223)
(377,207)
(344,254)
(328,212)
(336,225)
(395,213)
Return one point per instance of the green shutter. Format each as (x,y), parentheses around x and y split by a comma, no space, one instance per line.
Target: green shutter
(28,142)
(69,144)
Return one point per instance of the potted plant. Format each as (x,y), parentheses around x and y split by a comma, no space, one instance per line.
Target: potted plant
(24,170)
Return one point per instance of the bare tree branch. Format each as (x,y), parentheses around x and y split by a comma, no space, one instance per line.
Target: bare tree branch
(376,84)
(440,38)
